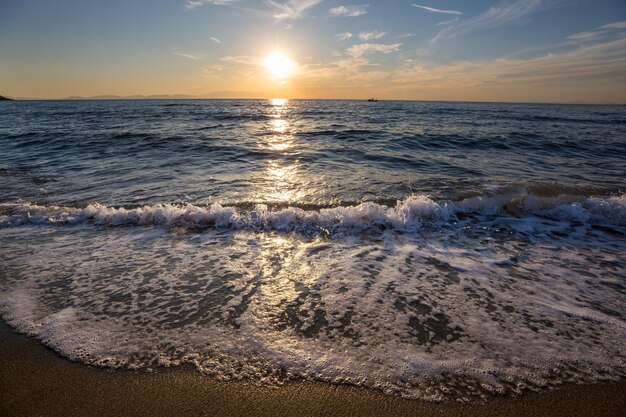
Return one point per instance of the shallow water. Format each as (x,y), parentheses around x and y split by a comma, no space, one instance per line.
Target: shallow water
(434,250)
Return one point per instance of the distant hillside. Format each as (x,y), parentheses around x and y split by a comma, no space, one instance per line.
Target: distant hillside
(213,94)
(135,97)
(5,98)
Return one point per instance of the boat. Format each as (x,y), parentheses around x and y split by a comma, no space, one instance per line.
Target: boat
(373,100)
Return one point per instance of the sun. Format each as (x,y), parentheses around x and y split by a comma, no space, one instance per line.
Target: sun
(279,65)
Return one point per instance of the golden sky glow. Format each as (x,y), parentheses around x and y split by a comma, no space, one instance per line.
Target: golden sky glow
(484,50)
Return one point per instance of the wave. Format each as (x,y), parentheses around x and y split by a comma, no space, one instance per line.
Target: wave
(574,120)
(408,215)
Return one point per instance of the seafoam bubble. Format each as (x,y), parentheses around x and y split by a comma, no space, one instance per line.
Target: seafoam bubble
(450,313)
(408,215)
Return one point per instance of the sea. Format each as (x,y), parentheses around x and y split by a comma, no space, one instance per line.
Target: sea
(433,250)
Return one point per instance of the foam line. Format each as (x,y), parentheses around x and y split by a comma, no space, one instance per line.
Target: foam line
(409,214)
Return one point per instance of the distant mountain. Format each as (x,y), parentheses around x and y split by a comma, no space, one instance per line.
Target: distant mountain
(213,94)
(5,98)
(135,97)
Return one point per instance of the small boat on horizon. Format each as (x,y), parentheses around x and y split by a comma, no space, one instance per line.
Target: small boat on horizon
(373,100)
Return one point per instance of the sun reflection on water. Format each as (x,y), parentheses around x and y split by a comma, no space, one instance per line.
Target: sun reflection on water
(278,101)
(279,125)
(281,179)
(280,139)
(282,182)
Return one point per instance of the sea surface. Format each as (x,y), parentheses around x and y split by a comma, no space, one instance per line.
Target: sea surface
(429,249)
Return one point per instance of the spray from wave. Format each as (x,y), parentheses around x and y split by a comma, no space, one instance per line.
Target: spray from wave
(408,215)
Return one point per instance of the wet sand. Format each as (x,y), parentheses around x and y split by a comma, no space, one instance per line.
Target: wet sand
(35,381)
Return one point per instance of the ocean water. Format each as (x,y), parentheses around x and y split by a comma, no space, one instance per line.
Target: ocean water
(429,249)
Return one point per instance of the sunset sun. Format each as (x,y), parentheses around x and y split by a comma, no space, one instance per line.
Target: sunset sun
(278,65)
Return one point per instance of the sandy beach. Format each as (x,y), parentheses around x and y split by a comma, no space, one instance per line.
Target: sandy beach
(35,381)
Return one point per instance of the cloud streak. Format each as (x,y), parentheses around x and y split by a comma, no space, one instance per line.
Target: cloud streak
(343,36)
(433,10)
(186,55)
(584,36)
(448,22)
(597,32)
(349,11)
(495,16)
(589,73)
(240,60)
(366,36)
(192,4)
(616,25)
(357,51)
(292,9)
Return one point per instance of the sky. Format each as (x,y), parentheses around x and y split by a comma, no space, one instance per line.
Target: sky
(470,50)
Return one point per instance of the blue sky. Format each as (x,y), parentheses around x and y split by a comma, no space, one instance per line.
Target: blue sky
(512,50)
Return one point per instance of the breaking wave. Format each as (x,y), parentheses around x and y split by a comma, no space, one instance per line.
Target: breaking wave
(407,215)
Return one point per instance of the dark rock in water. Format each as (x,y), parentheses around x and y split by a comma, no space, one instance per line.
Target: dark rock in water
(5,98)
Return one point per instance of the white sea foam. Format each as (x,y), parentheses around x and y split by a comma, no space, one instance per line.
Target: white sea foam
(463,312)
(409,214)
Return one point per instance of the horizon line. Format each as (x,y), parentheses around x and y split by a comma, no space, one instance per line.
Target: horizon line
(140,97)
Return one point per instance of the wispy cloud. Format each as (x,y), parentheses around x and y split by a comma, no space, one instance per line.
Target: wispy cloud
(448,22)
(584,36)
(597,32)
(192,4)
(350,11)
(188,56)
(216,40)
(598,61)
(497,15)
(433,10)
(343,36)
(292,9)
(616,25)
(240,59)
(366,36)
(583,68)
(587,73)
(357,51)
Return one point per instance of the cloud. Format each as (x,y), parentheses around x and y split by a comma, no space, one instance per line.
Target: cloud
(602,30)
(448,22)
(216,40)
(240,59)
(186,55)
(192,4)
(593,63)
(433,10)
(584,35)
(357,51)
(366,36)
(616,25)
(350,11)
(343,36)
(588,73)
(497,15)
(292,9)
(599,61)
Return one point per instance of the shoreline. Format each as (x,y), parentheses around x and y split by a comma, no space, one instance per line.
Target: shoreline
(36,381)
